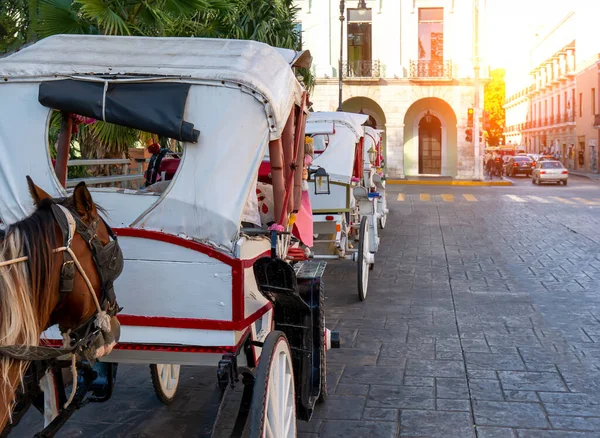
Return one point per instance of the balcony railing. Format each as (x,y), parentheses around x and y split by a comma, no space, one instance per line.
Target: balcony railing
(426,68)
(361,69)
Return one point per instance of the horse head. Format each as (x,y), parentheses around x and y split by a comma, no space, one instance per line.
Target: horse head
(57,266)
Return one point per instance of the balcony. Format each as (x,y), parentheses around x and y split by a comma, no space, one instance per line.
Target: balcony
(361,69)
(425,69)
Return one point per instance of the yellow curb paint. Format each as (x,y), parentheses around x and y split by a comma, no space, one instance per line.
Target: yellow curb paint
(424,197)
(448,198)
(585,201)
(450,183)
(401,197)
(470,198)
(563,200)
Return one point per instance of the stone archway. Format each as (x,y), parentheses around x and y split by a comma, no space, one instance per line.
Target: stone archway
(377,119)
(444,154)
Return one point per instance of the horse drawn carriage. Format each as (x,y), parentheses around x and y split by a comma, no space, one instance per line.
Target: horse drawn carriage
(348,213)
(221,288)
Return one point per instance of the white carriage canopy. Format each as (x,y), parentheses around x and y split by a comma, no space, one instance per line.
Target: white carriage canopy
(225,99)
(372,137)
(338,158)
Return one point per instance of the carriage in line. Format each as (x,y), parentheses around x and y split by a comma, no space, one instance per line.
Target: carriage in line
(346,209)
(222,288)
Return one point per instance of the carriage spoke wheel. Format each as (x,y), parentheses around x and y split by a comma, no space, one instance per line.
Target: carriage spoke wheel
(383,219)
(363,259)
(273,411)
(165,380)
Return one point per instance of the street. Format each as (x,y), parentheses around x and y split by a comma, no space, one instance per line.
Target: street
(482,320)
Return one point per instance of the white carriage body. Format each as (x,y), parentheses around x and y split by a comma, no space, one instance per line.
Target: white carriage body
(188,285)
(344,131)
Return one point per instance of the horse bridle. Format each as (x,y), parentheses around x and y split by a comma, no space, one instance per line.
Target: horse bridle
(107,258)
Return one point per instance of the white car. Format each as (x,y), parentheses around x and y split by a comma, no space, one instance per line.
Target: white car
(549,171)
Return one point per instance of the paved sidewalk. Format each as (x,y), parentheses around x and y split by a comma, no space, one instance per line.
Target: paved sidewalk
(589,175)
(482,321)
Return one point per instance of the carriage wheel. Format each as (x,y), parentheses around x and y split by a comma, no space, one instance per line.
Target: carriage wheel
(165,380)
(273,411)
(363,259)
(383,219)
(323,392)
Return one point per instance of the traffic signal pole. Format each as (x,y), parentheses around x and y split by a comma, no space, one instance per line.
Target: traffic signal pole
(478,163)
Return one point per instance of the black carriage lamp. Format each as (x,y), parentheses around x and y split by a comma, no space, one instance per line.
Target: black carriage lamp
(427,117)
(321,180)
(372,155)
(362,7)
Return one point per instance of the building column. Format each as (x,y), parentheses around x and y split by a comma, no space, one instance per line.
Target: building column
(465,166)
(394,150)
(570,60)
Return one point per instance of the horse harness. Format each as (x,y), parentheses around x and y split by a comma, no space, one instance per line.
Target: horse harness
(96,331)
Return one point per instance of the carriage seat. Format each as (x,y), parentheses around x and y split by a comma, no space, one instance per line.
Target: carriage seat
(266,206)
(169,166)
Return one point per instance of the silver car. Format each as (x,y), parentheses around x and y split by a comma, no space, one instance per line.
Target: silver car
(549,171)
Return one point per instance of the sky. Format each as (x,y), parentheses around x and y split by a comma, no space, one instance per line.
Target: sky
(512,24)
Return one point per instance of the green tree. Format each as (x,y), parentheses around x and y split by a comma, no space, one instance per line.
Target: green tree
(494,95)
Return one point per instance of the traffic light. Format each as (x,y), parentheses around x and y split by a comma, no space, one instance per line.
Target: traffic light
(470,118)
(469,135)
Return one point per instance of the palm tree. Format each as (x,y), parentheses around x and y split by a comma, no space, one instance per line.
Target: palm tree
(268,21)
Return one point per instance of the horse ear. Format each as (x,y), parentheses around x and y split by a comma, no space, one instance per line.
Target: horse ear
(37,194)
(82,199)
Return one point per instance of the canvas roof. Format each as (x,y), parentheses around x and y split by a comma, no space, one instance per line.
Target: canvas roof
(256,66)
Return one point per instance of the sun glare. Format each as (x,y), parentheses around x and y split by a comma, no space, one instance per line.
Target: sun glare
(514,25)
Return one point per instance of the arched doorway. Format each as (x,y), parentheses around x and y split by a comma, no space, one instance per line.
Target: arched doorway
(430,139)
(430,145)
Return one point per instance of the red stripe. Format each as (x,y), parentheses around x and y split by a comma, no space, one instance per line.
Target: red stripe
(176,240)
(192,323)
(237,271)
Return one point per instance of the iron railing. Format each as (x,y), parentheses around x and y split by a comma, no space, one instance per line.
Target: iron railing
(428,68)
(361,69)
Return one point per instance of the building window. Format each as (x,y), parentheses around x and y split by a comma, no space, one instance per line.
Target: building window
(360,43)
(431,34)
(593,101)
(557,108)
(580,104)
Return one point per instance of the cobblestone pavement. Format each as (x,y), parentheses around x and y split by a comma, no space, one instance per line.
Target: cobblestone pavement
(482,320)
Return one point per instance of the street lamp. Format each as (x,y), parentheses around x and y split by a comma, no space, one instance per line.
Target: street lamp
(362,5)
(342,9)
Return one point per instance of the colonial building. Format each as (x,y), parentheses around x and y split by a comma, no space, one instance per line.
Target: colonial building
(553,109)
(409,65)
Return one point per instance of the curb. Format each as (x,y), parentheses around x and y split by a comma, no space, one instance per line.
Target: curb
(585,175)
(414,182)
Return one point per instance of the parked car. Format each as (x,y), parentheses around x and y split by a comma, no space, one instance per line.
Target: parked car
(549,171)
(546,158)
(534,158)
(520,164)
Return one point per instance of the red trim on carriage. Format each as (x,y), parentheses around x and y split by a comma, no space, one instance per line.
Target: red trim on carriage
(237,273)
(192,323)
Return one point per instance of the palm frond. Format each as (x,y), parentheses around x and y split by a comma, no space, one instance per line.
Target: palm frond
(104,12)
(57,16)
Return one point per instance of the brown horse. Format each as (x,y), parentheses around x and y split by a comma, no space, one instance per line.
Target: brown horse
(30,281)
